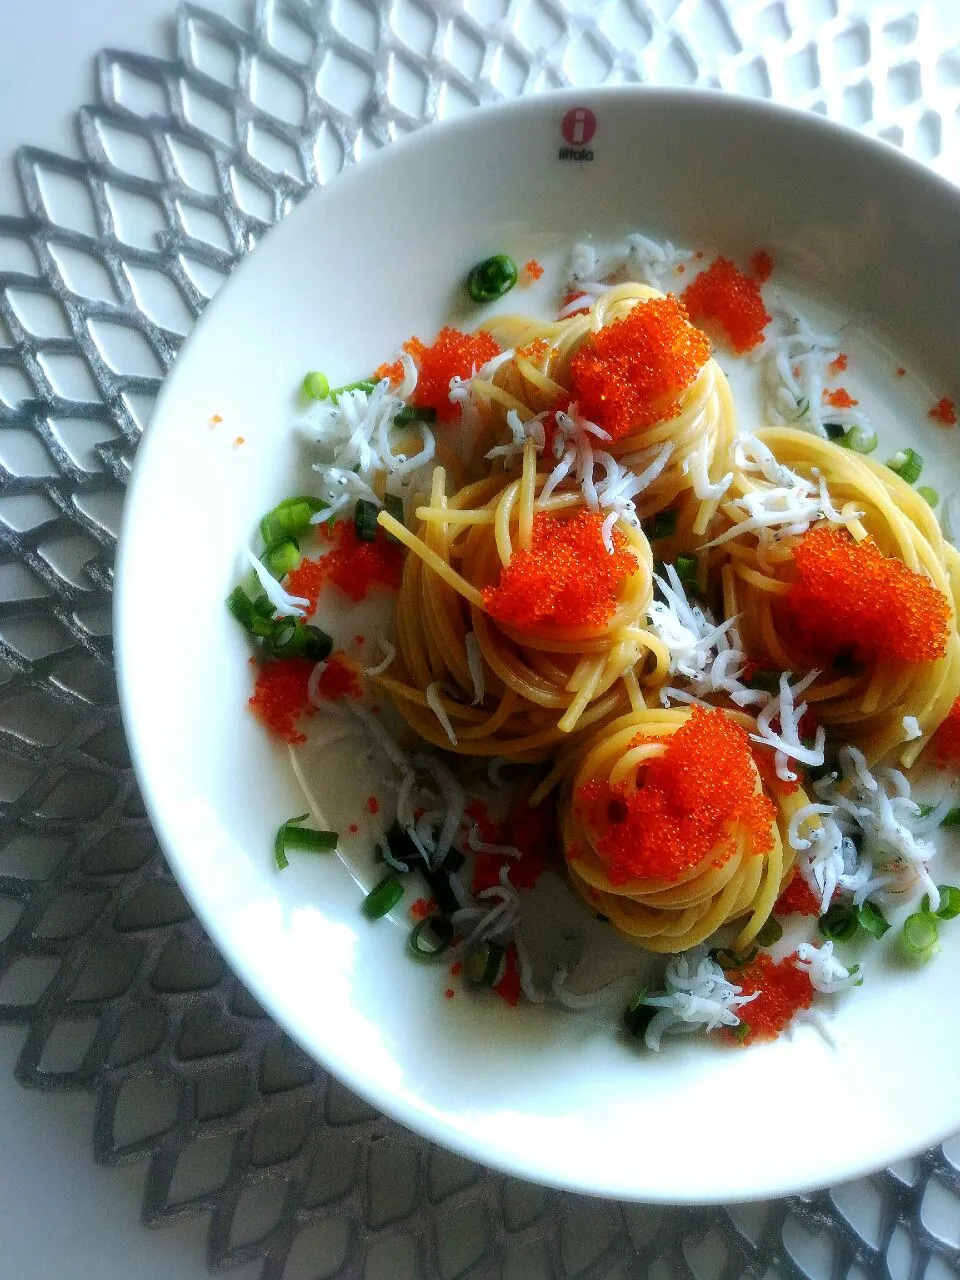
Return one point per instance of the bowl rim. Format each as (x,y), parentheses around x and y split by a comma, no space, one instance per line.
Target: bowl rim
(418,1118)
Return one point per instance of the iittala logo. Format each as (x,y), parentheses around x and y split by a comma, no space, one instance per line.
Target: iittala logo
(577,127)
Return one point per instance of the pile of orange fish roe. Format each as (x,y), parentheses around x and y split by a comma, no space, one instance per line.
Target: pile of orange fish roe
(783,990)
(694,802)
(280,697)
(568,577)
(352,564)
(849,595)
(451,355)
(948,735)
(723,296)
(632,373)
(944,412)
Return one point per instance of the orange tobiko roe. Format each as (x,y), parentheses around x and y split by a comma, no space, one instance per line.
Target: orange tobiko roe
(533,269)
(695,800)
(944,412)
(849,595)
(392,370)
(567,578)
(798,899)
(947,736)
(338,679)
(783,991)
(839,399)
(633,372)
(351,564)
(722,295)
(280,696)
(451,355)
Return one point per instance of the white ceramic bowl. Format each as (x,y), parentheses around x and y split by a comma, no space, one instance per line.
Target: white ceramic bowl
(353,271)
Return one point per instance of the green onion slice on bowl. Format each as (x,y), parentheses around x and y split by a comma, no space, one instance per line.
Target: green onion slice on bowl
(429,938)
(292,835)
(492,278)
(382,898)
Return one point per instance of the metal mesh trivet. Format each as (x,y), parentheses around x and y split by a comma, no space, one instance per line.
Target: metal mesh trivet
(184,164)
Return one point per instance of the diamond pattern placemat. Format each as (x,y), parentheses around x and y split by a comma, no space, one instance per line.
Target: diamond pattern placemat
(184,162)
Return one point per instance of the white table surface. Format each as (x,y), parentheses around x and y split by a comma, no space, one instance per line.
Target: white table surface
(61,1215)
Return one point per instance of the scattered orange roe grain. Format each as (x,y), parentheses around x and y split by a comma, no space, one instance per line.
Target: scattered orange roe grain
(456,968)
(567,578)
(359,641)
(392,370)
(422,908)
(280,696)
(354,565)
(724,296)
(452,355)
(353,828)
(573,297)
(839,365)
(508,988)
(839,399)
(306,580)
(532,831)
(633,372)
(784,991)
(449,993)
(947,736)
(215,419)
(338,680)
(694,801)
(238,441)
(534,351)
(848,594)
(532,269)
(944,412)
(761,266)
(680,269)
(901,372)
(797,899)
(373,804)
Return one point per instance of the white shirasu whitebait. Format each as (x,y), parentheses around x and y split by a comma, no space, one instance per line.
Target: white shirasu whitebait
(697,997)
(435,703)
(786,743)
(475,667)
(824,970)
(389,651)
(284,603)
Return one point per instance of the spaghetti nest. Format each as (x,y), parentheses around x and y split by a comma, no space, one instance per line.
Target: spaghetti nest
(519,621)
(632,364)
(668,831)
(870,602)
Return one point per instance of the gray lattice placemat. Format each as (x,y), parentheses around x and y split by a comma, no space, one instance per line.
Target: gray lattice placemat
(184,163)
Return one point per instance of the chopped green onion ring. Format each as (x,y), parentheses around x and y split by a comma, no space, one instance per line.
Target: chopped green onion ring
(949,907)
(834,430)
(771,933)
(686,567)
(952,818)
(492,278)
(930,496)
(920,936)
(860,440)
(281,557)
(292,835)
(415,413)
(874,921)
(908,464)
(732,960)
(839,923)
(765,679)
(290,518)
(486,966)
(662,525)
(382,898)
(365,519)
(741,1032)
(637,1016)
(393,506)
(362,384)
(316,385)
(429,938)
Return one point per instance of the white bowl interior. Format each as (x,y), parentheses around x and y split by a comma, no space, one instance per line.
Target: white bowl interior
(347,276)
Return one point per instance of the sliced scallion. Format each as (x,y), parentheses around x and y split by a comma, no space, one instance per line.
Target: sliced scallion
(861,440)
(486,966)
(637,1016)
(291,638)
(383,897)
(429,938)
(771,933)
(907,464)
(949,907)
(732,960)
(741,1032)
(393,506)
(930,496)
(952,819)
(362,384)
(686,567)
(316,385)
(839,923)
(874,921)
(365,519)
(281,557)
(834,430)
(763,678)
(662,525)
(920,936)
(289,518)
(492,278)
(415,413)
(292,835)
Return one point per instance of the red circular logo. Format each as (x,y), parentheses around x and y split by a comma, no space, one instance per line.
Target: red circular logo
(578,126)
